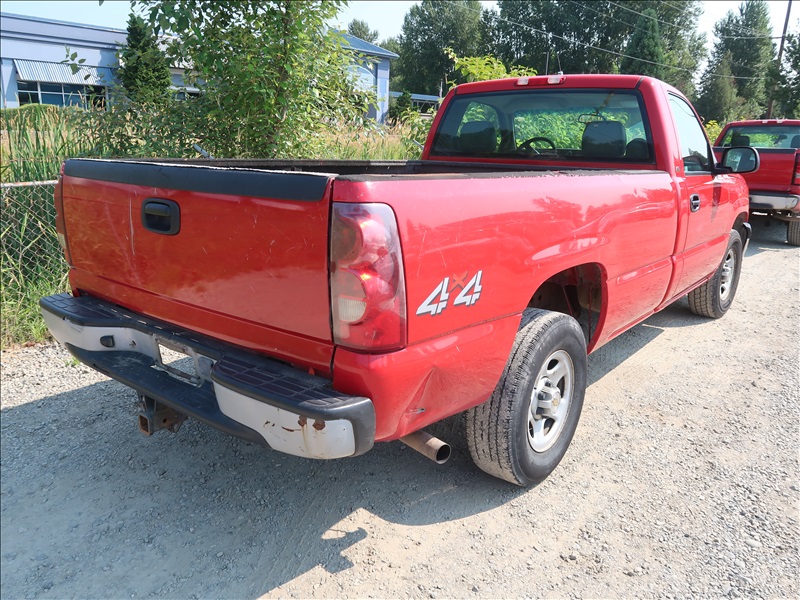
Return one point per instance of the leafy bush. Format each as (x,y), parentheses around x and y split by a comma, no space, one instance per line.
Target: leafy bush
(275,77)
(713,130)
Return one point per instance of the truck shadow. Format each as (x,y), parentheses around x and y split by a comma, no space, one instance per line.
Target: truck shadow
(769,235)
(199,514)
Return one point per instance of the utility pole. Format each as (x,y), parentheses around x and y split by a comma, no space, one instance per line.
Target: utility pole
(780,56)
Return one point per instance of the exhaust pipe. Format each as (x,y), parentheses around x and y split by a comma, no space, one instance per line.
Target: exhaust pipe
(424,443)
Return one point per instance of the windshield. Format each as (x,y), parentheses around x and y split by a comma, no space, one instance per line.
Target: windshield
(590,125)
(763,136)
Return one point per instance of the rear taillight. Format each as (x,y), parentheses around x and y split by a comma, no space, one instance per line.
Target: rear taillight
(61,229)
(796,180)
(368,291)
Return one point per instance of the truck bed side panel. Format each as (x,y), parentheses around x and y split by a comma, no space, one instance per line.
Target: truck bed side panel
(516,231)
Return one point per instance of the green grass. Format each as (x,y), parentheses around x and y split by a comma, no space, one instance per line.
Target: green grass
(389,143)
(31,261)
(21,319)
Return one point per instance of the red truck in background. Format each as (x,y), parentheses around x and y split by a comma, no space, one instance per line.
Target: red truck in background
(327,305)
(775,187)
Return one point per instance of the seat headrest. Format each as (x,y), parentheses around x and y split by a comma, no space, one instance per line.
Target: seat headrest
(603,139)
(478,137)
(637,149)
(737,139)
(795,142)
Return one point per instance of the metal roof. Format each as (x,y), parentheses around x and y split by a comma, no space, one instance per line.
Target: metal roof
(47,72)
(421,97)
(365,47)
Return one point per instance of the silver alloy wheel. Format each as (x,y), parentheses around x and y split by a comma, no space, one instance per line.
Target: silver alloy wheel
(726,277)
(550,400)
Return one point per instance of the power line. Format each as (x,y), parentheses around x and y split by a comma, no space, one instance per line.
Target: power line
(619,54)
(753,37)
(756,69)
(748,30)
(630,10)
(594,10)
(671,5)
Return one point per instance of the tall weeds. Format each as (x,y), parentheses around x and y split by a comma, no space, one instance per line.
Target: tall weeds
(36,138)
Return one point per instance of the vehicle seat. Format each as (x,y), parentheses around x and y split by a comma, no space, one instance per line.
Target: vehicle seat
(795,142)
(740,140)
(747,163)
(477,137)
(603,139)
(637,149)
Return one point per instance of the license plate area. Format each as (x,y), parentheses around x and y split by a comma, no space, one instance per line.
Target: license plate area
(182,362)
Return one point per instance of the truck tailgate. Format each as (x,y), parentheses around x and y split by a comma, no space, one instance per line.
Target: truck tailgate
(237,254)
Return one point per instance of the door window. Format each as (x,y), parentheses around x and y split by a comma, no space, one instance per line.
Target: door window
(691,136)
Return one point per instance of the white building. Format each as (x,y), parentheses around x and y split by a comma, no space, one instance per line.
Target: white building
(33,71)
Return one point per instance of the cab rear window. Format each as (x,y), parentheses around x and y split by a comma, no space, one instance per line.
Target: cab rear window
(589,125)
(763,136)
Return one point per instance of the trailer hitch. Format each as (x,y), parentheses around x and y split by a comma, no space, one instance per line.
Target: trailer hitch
(154,416)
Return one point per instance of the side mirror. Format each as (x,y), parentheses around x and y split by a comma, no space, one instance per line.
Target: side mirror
(739,159)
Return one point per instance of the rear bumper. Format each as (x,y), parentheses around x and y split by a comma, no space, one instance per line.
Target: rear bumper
(245,395)
(769,201)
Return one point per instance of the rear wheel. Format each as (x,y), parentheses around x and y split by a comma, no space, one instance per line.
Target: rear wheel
(793,233)
(522,432)
(714,298)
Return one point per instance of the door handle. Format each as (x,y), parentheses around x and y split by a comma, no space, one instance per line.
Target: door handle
(161,216)
(694,202)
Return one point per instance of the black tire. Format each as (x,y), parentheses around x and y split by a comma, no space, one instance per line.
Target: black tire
(793,233)
(501,432)
(714,297)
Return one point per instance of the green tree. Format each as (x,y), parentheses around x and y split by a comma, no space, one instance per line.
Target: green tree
(645,45)
(718,99)
(274,75)
(144,71)
(429,28)
(589,37)
(787,96)
(483,68)
(745,36)
(399,107)
(361,29)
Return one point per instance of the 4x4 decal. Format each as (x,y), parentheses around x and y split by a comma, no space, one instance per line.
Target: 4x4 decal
(437,301)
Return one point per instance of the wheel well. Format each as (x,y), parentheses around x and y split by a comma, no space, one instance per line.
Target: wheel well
(578,292)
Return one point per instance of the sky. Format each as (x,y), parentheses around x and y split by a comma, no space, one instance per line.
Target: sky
(386,17)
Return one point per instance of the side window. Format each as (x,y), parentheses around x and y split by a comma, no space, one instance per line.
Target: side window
(692,138)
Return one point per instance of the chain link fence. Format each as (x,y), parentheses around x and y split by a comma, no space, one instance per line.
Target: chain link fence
(31,261)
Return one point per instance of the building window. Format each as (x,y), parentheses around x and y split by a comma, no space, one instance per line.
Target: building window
(28,92)
(61,94)
(185,94)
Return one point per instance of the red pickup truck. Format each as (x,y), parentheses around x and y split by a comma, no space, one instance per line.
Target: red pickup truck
(325,306)
(775,187)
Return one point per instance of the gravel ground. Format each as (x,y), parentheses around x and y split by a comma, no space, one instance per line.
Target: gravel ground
(682,481)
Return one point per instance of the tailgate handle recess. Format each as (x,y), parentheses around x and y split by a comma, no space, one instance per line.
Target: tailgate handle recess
(161,216)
